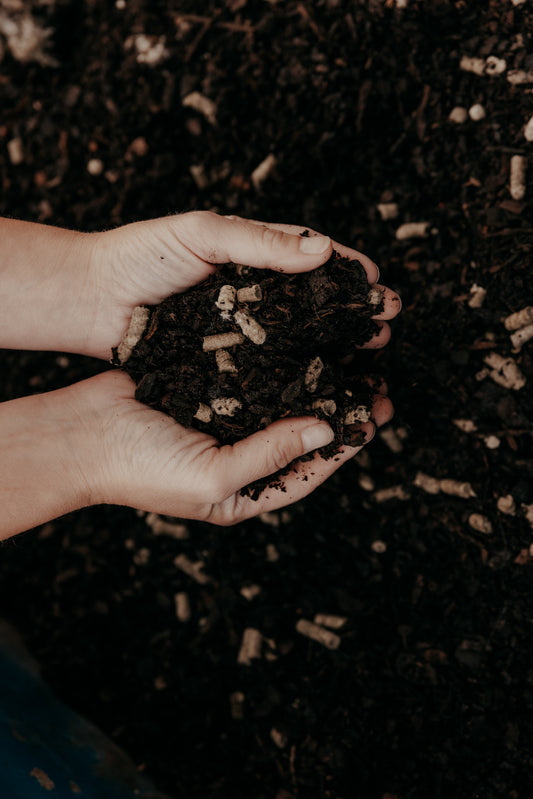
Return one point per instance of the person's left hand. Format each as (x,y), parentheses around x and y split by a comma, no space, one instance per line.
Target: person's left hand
(144,262)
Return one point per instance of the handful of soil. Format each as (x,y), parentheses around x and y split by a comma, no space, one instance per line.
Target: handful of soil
(247,347)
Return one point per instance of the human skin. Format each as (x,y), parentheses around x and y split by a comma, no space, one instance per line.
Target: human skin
(93,443)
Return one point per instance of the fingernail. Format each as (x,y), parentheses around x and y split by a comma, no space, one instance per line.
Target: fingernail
(318,435)
(314,245)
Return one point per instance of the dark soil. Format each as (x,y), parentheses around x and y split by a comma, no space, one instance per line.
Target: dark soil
(430,693)
(291,363)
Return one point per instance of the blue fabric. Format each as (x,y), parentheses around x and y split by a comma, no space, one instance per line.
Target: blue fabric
(48,750)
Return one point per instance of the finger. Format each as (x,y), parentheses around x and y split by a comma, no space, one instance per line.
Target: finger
(269,450)
(382,410)
(379,339)
(301,481)
(370,267)
(219,239)
(392,304)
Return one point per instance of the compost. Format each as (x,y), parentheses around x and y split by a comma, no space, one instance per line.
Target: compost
(395,127)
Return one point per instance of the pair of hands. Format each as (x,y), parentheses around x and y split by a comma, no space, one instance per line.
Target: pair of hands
(104,446)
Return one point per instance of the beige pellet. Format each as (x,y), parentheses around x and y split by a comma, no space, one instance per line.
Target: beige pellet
(328,407)
(221,341)
(517,177)
(412,230)
(182,606)
(204,412)
(330,620)
(160,526)
(318,633)
(192,569)
(225,362)
(393,492)
(519,319)
(455,488)
(312,374)
(136,328)
(251,644)
(522,336)
(480,523)
(507,505)
(250,294)
(360,414)
(226,406)
(250,327)
(226,298)
(428,484)
(504,371)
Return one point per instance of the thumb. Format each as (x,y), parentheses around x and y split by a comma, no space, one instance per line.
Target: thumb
(219,239)
(269,450)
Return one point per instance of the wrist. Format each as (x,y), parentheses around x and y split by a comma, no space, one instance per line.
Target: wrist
(48,288)
(42,472)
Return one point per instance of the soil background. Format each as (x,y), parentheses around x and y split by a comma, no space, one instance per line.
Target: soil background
(430,693)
